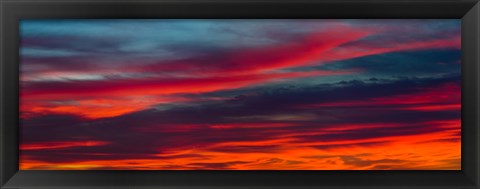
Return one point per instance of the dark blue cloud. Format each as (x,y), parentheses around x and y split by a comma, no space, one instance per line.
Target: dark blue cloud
(409,63)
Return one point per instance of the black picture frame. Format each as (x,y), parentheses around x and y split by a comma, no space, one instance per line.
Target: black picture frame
(14,10)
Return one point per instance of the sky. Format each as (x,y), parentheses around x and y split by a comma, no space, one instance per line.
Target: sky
(233,94)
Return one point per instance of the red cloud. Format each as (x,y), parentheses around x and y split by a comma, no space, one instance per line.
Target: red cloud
(58,145)
(439,98)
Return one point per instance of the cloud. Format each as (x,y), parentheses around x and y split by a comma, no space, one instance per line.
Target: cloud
(410,63)
(215,166)
(352,160)
(206,127)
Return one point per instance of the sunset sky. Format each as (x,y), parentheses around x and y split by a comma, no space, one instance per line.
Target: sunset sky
(240,94)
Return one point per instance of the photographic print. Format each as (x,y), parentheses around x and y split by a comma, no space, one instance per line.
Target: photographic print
(240,94)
